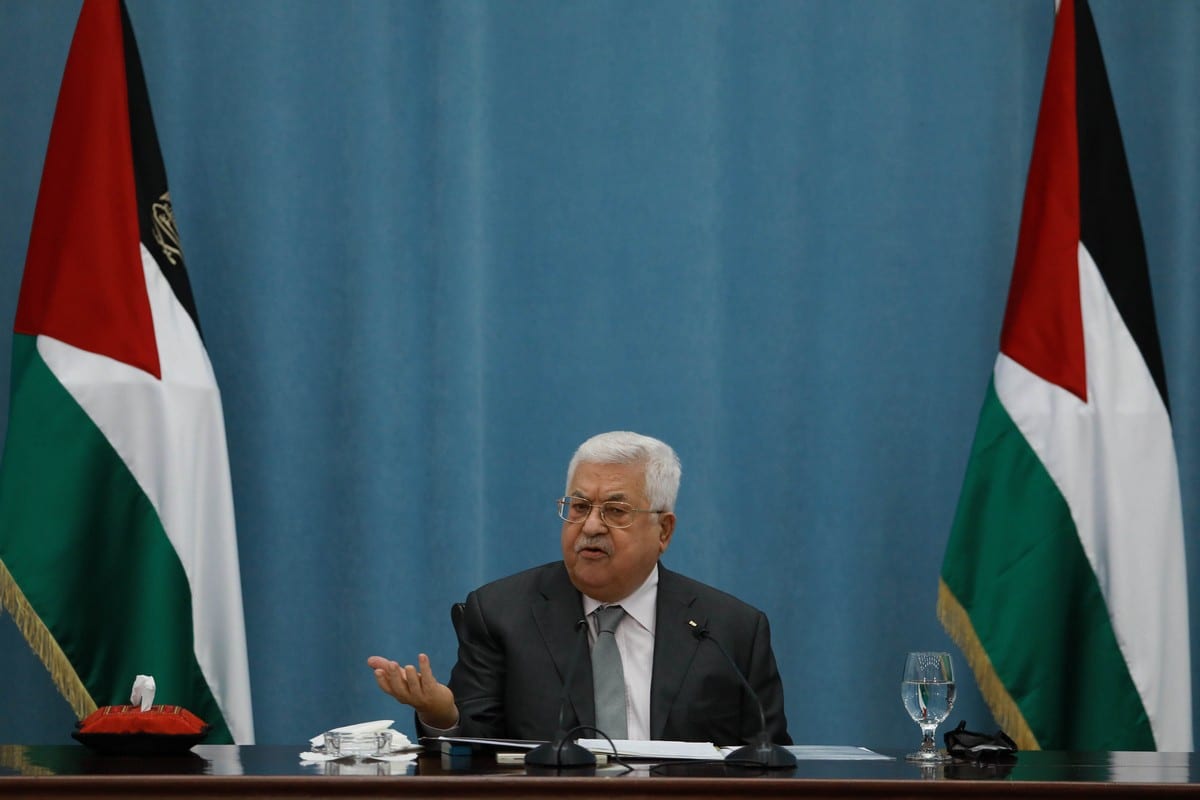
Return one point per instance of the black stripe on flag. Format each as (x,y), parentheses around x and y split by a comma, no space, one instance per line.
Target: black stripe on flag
(1109,225)
(156,219)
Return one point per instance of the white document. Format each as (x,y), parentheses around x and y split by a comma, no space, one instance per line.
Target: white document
(834,752)
(630,748)
(690,751)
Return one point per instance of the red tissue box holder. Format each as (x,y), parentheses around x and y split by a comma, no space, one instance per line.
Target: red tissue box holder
(127,730)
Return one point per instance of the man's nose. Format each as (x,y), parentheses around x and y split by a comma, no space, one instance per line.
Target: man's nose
(593,522)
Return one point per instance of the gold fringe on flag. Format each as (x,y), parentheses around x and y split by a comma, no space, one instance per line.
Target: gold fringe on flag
(44,645)
(957,623)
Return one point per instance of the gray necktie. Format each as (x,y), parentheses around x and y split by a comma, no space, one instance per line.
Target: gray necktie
(608,677)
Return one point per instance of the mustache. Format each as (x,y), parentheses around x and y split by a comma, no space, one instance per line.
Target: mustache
(585,541)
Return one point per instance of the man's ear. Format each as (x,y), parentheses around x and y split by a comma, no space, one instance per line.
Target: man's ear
(666,527)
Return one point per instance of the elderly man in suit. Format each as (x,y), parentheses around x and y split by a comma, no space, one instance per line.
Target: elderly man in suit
(660,681)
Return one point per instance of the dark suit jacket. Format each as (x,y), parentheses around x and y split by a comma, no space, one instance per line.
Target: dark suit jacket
(518,635)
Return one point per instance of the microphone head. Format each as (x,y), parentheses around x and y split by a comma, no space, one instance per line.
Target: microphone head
(697,631)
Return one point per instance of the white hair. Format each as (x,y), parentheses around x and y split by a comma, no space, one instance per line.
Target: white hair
(625,447)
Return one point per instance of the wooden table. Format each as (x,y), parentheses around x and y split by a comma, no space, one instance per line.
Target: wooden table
(271,771)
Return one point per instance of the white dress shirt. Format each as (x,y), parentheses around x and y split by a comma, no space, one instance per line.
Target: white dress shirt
(635,641)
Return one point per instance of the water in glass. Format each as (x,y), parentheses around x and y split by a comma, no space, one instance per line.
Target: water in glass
(927,690)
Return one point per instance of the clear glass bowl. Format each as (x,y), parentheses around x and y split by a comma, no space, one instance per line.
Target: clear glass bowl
(358,743)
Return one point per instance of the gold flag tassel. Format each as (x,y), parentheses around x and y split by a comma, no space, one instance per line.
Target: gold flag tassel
(957,623)
(44,645)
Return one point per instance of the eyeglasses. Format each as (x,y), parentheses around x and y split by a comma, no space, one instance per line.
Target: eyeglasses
(613,513)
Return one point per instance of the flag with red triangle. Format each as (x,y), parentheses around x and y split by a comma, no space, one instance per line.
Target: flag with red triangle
(1064,579)
(118,553)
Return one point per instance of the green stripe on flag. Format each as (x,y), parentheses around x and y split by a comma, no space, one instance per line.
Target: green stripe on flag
(1020,598)
(75,530)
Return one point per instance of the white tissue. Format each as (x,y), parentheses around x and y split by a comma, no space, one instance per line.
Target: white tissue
(143,692)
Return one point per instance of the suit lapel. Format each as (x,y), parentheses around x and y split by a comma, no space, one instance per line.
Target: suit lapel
(557,613)
(674,646)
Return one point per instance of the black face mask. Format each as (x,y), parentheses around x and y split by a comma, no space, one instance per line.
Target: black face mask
(980,748)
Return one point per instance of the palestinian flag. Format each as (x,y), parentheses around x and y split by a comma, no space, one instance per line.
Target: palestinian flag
(118,554)
(1064,578)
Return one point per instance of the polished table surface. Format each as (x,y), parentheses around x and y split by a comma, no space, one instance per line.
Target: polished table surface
(276,771)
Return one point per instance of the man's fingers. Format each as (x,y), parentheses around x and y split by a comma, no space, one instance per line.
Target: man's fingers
(385,683)
(379,662)
(428,681)
(392,680)
(416,686)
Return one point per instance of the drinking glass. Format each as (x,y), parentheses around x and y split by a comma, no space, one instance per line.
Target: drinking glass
(928,694)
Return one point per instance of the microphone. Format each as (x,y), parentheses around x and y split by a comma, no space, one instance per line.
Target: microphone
(763,752)
(564,751)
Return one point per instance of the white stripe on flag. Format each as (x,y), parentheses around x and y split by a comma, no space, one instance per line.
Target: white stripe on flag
(171,435)
(1113,459)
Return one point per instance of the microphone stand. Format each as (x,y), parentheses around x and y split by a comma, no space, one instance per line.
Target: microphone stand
(762,752)
(563,750)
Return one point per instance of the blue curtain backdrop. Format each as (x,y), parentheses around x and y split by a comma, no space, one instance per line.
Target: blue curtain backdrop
(435,245)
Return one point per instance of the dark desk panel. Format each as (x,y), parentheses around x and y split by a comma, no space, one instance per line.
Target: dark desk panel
(217,771)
